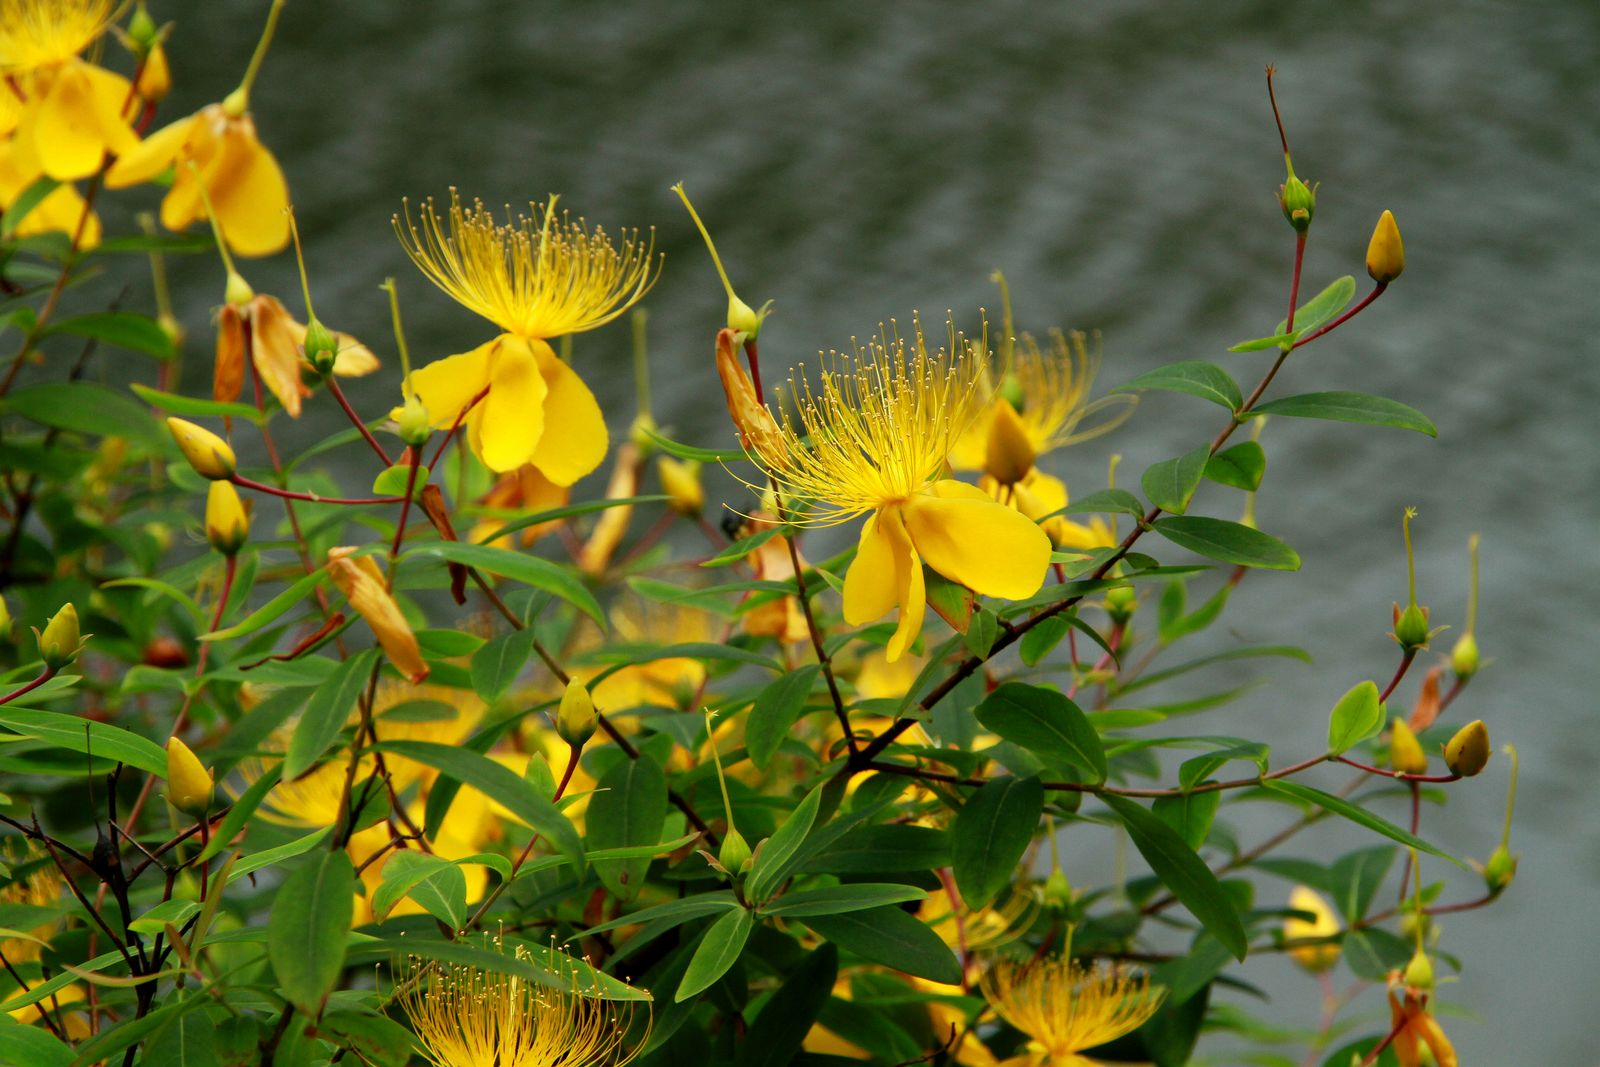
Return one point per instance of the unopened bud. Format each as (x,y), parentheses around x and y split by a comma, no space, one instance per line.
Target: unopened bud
(1464,657)
(1058,891)
(681,480)
(142,29)
(207,453)
(1324,923)
(1011,391)
(734,855)
(639,432)
(189,784)
(413,421)
(61,639)
(1411,627)
(1121,602)
(169,324)
(742,318)
(322,348)
(1299,202)
(237,292)
(1386,253)
(1500,870)
(227,521)
(576,718)
(1468,751)
(1405,751)
(155,76)
(1419,972)
(1010,454)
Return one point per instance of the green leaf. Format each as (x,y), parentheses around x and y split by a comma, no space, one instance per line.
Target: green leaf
(529,570)
(888,848)
(326,713)
(893,938)
(1190,814)
(500,784)
(87,408)
(568,511)
(1046,723)
(778,1033)
(270,857)
(496,665)
(308,927)
(34,1046)
(628,809)
(1373,952)
(241,811)
(1037,643)
(1105,502)
(140,333)
(24,203)
(432,881)
(1183,872)
(1170,483)
(1277,340)
(84,735)
(1322,308)
(1356,876)
(837,899)
(1194,771)
(271,611)
(538,963)
(176,912)
(1193,376)
(190,1040)
(391,481)
(674,911)
(775,711)
(1360,816)
(704,455)
(1240,466)
(991,833)
(1357,716)
(192,406)
(1350,407)
(373,1038)
(1230,542)
(775,853)
(718,951)
(741,548)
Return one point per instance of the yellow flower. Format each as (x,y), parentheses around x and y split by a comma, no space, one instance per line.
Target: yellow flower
(67,114)
(1414,1025)
(466,1017)
(536,277)
(1313,958)
(219,152)
(58,212)
(662,682)
(362,583)
(880,428)
(521,490)
(1039,496)
(277,343)
(1065,1007)
(40,887)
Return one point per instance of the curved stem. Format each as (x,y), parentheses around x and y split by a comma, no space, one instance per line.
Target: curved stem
(289,494)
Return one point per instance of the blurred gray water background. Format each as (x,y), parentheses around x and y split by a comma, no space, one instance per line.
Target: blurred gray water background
(859,160)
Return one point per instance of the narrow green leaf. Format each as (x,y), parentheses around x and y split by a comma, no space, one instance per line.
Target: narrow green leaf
(678,911)
(1240,466)
(1170,483)
(374,1039)
(781,845)
(519,567)
(627,810)
(991,833)
(1195,377)
(886,848)
(718,951)
(1360,816)
(775,711)
(1350,407)
(893,938)
(1190,814)
(175,404)
(741,548)
(24,202)
(1183,872)
(270,857)
(140,333)
(85,735)
(1230,542)
(837,899)
(176,912)
(703,455)
(308,927)
(326,713)
(1037,643)
(1357,716)
(1322,308)
(496,664)
(31,1046)
(1277,340)
(777,1034)
(87,408)
(271,611)
(190,1040)
(432,881)
(1045,722)
(1356,876)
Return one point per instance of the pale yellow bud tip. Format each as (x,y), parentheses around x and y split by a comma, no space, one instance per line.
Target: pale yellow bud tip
(576,719)
(227,521)
(237,292)
(61,639)
(1405,751)
(207,453)
(189,784)
(1386,253)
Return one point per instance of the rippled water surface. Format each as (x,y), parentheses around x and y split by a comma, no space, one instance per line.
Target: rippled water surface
(861,160)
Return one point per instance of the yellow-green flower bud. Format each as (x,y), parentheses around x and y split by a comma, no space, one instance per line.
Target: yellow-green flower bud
(322,348)
(681,480)
(1324,923)
(61,639)
(639,434)
(1058,891)
(5,619)
(743,318)
(1411,628)
(1405,751)
(236,103)
(576,718)
(237,292)
(1009,453)
(413,422)
(1500,870)
(1419,972)
(1386,253)
(189,784)
(207,453)
(1299,202)
(142,29)
(734,855)
(227,521)
(1121,602)
(1468,751)
(1464,657)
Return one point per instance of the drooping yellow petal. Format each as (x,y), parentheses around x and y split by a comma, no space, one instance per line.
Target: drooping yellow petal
(354,359)
(248,192)
(574,439)
(886,572)
(446,386)
(153,155)
(274,351)
(512,418)
(970,539)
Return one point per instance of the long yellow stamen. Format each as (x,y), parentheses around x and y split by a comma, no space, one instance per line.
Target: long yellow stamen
(39,33)
(1066,1007)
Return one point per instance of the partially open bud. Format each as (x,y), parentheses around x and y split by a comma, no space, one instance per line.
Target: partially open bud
(207,453)
(1464,657)
(681,480)
(1010,454)
(189,784)
(576,718)
(360,580)
(321,347)
(734,855)
(1468,751)
(758,431)
(227,522)
(1325,923)
(1419,972)
(1405,751)
(1386,253)
(61,640)
(412,421)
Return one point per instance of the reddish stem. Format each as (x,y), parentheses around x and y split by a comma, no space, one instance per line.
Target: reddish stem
(290,494)
(45,676)
(338,394)
(1400,672)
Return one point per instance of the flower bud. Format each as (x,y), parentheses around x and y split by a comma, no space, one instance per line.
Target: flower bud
(1058,891)
(322,348)
(5,619)
(207,453)
(1419,972)
(1464,657)
(237,292)
(1405,751)
(155,76)
(1500,870)
(60,642)
(1325,923)
(1299,202)
(1386,253)
(227,522)
(1411,627)
(681,480)
(413,421)
(742,318)
(1121,602)
(1009,455)
(734,855)
(1468,751)
(758,432)
(576,718)
(142,29)
(189,785)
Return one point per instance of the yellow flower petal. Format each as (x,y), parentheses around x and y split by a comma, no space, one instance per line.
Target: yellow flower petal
(869,586)
(513,413)
(72,130)
(154,155)
(354,359)
(248,191)
(447,385)
(970,539)
(10,108)
(574,439)
(273,348)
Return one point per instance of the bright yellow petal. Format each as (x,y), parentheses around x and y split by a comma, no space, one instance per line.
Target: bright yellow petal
(154,155)
(66,130)
(447,385)
(574,439)
(913,593)
(249,193)
(869,586)
(274,351)
(10,108)
(985,546)
(969,450)
(354,359)
(513,412)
